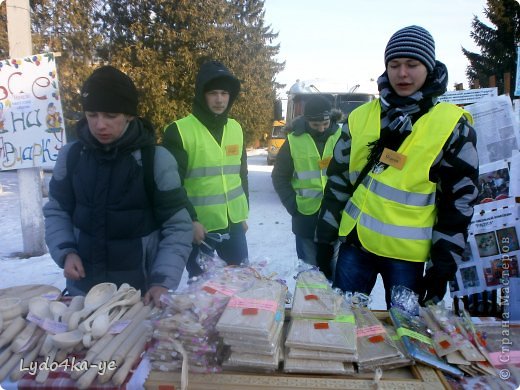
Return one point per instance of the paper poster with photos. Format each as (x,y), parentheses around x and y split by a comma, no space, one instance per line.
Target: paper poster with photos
(497,128)
(514,174)
(494,181)
(492,251)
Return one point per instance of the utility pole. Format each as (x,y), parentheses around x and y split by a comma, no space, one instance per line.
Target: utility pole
(29,179)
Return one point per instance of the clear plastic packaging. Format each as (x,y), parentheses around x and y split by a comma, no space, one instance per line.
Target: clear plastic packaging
(252,325)
(254,312)
(314,297)
(390,363)
(322,335)
(405,299)
(188,322)
(293,365)
(302,353)
(415,337)
(253,360)
(374,345)
(460,337)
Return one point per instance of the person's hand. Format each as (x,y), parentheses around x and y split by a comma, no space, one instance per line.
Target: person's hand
(199,232)
(324,255)
(244,226)
(73,267)
(154,295)
(435,286)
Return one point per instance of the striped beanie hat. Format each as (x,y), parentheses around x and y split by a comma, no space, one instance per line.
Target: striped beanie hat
(412,42)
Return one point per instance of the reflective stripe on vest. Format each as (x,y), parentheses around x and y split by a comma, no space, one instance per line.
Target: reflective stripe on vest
(212,179)
(310,170)
(394,211)
(397,195)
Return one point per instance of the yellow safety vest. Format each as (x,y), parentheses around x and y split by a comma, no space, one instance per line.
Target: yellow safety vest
(212,179)
(310,170)
(394,211)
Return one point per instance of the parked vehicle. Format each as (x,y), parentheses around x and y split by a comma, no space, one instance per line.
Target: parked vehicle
(275,141)
(344,101)
(296,99)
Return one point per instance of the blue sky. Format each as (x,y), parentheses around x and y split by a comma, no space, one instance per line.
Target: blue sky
(336,44)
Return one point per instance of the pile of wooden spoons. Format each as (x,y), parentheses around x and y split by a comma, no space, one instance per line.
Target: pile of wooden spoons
(107,325)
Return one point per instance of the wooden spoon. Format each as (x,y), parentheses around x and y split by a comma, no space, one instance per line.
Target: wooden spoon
(39,307)
(57,309)
(67,339)
(130,297)
(97,296)
(76,304)
(10,308)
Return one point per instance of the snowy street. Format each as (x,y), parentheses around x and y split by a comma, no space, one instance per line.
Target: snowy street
(270,239)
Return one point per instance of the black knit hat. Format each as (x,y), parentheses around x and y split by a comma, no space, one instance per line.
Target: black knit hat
(412,42)
(223,83)
(108,89)
(317,108)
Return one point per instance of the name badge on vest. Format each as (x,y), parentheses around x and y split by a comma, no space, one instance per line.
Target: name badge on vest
(232,150)
(394,159)
(324,163)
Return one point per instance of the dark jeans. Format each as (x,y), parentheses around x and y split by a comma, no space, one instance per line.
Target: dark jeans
(306,250)
(357,270)
(233,251)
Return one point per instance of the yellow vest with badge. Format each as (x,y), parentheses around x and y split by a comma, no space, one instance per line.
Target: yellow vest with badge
(310,170)
(394,211)
(212,180)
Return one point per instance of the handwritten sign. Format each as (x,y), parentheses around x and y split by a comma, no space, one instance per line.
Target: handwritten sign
(32,131)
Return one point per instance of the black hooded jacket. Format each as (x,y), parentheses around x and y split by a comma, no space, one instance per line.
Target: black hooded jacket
(99,208)
(215,123)
(283,172)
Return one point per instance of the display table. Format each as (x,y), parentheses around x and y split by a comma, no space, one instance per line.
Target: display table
(413,378)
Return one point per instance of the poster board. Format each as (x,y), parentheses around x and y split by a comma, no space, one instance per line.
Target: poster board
(468,96)
(497,128)
(31,117)
(492,249)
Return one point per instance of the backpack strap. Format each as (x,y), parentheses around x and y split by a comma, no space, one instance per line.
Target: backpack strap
(73,156)
(148,159)
(147,156)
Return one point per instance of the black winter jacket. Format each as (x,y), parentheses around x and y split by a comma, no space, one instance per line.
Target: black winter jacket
(102,211)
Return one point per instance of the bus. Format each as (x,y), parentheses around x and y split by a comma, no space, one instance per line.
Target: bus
(346,102)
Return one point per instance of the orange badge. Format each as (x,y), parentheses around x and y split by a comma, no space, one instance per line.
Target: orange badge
(324,163)
(232,150)
(393,159)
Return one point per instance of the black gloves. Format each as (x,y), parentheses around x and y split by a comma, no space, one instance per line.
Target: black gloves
(435,285)
(324,256)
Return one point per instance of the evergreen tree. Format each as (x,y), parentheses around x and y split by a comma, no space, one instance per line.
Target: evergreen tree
(251,58)
(4,42)
(163,53)
(67,27)
(497,44)
(133,35)
(161,45)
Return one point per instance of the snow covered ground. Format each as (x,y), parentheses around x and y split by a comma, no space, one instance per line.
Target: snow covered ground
(270,240)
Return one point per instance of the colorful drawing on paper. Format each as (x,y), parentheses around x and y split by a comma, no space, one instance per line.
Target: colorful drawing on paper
(31,116)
